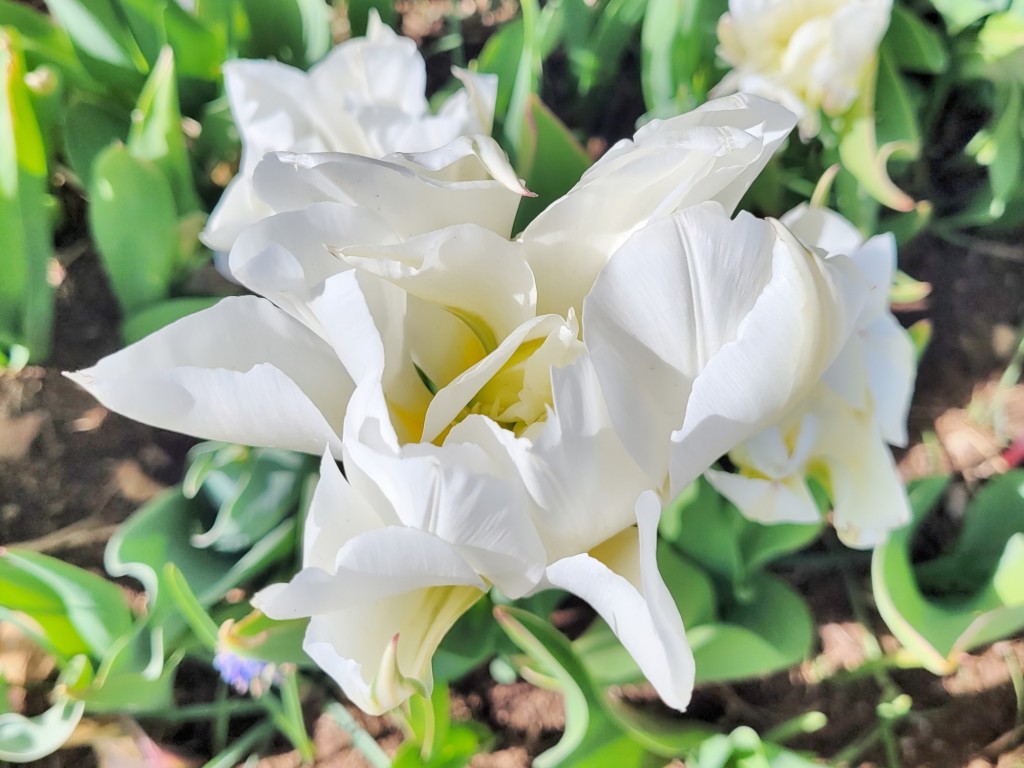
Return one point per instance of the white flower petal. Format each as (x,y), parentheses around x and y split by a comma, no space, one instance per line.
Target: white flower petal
(768,501)
(712,153)
(620,580)
(241,371)
(410,194)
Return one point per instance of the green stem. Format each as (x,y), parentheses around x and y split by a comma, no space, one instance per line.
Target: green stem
(203,711)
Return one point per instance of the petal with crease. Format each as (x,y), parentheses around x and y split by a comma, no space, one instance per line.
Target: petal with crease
(241,371)
(620,580)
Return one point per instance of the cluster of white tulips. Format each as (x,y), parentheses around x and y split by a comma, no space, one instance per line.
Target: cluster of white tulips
(512,410)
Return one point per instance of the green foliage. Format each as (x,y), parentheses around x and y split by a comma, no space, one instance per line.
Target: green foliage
(26,310)
(970,596)
(433,740)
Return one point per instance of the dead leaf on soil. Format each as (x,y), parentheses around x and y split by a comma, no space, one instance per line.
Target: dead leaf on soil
(90,420)
(17,434)
(134,484)
(22,662)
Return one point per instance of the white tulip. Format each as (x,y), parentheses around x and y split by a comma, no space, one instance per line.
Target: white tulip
(476,381)
(365,97)
(838,434)
(811,56)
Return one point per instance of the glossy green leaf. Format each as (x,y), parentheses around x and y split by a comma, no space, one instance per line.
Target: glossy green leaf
(500,56)
(296,32)
(868,163)
(26,303)
(772,632)
(976,591)
(914,45)
(27,739)
(711,531)
(70,610)
(589,734)
(156,134)
(266,491)
(134,222)
(895,114)
(104,43)
(677,48)
(160,532)
(551,160)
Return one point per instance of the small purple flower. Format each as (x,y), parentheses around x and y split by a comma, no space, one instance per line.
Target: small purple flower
(244,674)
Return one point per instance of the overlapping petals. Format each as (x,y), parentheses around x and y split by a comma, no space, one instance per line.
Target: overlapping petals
(366,97)
(524,404)
(838,433)
(811,57)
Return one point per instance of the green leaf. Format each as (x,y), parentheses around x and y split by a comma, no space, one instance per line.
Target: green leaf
(103,40)
(677,49)
(868,163)
(75,611)
(714,533)
(267,490)
(895,115)
(97,125)
(160,532)
(296,32)
(26,739)
(590,736)
(26,303)
(551,160)
(156,316)
(156,134)
(960,14)
(977,589)
(772,632)
(913,44)
(500,56)
(999,148)
(43,42)
(135,225)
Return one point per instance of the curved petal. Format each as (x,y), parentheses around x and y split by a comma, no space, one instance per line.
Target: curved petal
(414,194)
(241,371)
(766,500)
(823,228)
(285,257)
(620,580)
(474,273)
(712,153)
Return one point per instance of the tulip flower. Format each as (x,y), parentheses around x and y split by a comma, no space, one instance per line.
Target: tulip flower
(365,97)
(838,434)
(490,438)
(811,57)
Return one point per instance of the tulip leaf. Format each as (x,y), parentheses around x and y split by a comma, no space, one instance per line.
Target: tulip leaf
(156,134)
(591,737)
(26,303)
(975,592)
(743,748)
(771,632)
(295,32)
(103,42)
(66,609)
(868,162)
(551,160)
(707,528)
(27,739)
(43,42)
(676,42)
(135,224)
(914,45)
(160,532)
(895,114)
(98,124)
(255,492)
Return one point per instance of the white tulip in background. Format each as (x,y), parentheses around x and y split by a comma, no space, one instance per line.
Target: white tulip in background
(488,437)
(838,435)
(811,56)
(366,97)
